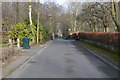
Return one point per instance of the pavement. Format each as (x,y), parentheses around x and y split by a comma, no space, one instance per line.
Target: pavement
(64,59)
(19,60)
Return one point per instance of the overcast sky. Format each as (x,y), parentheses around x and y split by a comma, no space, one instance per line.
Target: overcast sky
(58,1)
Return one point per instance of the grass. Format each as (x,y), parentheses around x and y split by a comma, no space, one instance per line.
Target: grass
(93,48)
(4,45)
(9,72)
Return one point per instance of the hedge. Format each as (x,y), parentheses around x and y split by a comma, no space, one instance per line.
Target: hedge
(105,40)
(108,38)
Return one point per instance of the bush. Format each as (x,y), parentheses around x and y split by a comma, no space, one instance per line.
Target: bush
(8,53)
(108,38)
(105,40)
(46,35)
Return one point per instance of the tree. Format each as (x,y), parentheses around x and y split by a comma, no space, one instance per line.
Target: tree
(38,23)
(97,17)
(31,23)
(21,30)
(115,14)
(74,8)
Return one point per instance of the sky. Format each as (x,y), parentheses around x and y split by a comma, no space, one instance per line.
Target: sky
(61,2)
(58,1)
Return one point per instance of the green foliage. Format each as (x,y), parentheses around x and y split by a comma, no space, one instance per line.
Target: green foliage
(41,28)
(34,29)
(94,48)
(21,30)
(27,22)
(46,34)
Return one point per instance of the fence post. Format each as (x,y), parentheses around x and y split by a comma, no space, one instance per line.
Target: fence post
(18,42)
(10,42)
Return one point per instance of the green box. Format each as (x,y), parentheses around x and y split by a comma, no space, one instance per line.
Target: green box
(26,42)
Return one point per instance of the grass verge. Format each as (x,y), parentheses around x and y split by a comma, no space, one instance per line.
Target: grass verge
(99,51)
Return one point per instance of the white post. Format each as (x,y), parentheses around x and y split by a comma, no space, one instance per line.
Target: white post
(18,42)
(10,42)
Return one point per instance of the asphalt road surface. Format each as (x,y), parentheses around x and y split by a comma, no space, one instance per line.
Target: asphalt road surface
(66,59)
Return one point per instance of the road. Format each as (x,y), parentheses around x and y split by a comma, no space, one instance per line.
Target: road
(65,59)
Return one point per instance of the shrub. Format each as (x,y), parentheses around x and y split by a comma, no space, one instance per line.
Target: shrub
(46,35)
(105,40)
(108,38)
(8,53)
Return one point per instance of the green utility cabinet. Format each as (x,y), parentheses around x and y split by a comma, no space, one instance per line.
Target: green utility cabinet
(26,42)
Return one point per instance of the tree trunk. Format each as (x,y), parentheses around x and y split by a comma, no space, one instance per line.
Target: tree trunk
(38,24)
(41,38)
(17,12)
(105,29)
(30,12)
(115,14)
(53,35)
(33,40)
(30,19)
